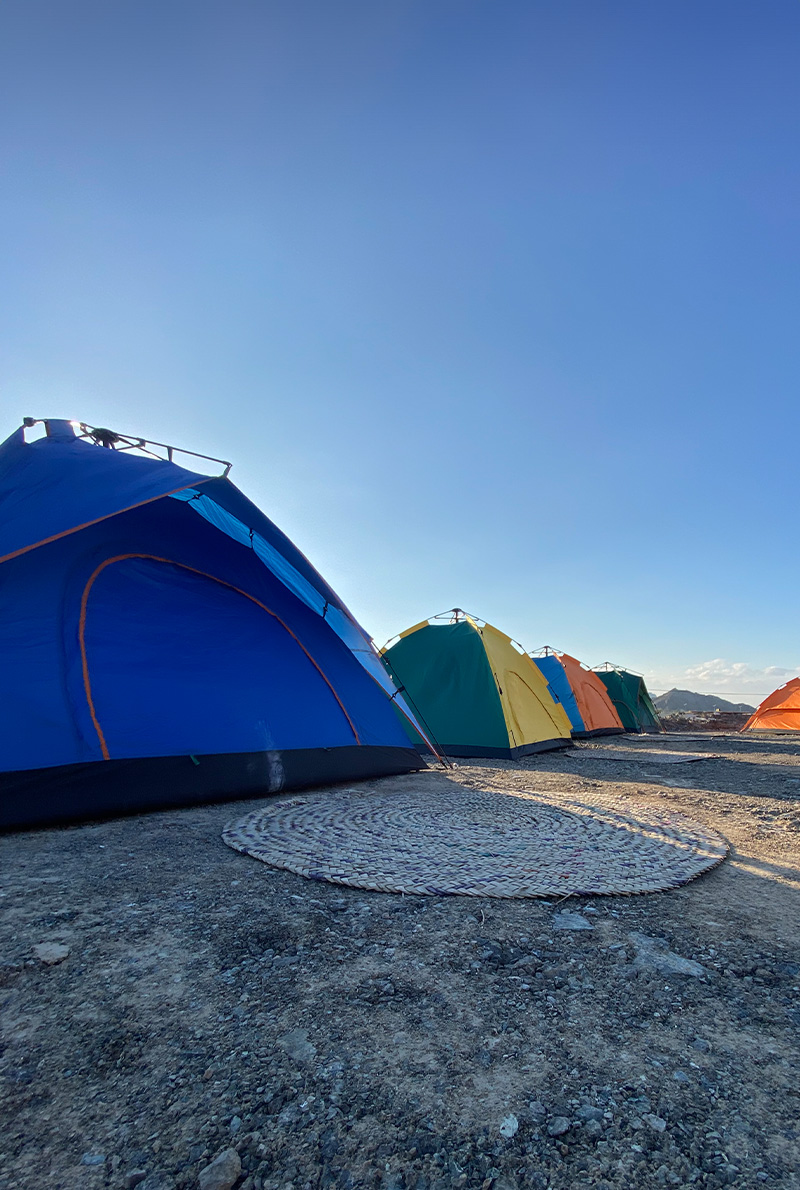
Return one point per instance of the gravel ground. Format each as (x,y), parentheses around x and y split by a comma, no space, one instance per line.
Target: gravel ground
(166,1001)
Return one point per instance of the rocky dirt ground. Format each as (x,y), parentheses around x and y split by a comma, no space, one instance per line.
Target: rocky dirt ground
(166,1001)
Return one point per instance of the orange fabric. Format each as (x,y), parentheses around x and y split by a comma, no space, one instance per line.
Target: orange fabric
(780,711)
(169,562)
(596,708)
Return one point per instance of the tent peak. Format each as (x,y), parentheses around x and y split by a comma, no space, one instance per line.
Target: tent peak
(114,440)
(611,667)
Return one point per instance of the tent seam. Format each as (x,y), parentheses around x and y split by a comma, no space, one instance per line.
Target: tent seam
(204,574)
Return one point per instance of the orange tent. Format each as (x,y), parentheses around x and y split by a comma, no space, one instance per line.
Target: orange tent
(597,710)
(780,711)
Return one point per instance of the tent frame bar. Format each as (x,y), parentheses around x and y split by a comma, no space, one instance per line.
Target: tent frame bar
(112,440)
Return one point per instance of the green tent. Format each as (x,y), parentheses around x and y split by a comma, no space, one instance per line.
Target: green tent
(630,698)
(476,692)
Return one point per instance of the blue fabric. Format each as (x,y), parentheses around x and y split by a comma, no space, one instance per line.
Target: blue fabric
(555,675)
(56,485)
(267,694)
(315,594)
(180,659)
(271,556)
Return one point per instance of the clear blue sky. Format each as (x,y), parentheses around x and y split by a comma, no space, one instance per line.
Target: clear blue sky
(491,302)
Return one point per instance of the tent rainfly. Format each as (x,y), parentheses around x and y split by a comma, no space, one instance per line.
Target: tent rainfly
(581,692)
(780,711)
(476,691)
(630,697)
(163,642)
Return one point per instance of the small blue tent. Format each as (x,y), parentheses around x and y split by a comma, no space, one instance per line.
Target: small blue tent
(553,672)
(162,642)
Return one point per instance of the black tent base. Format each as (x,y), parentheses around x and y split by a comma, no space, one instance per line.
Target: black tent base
(99,789)
(477,751)
(590,735)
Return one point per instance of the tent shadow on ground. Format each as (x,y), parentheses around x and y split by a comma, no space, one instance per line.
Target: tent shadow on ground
(715,775)
(778,744)
(781,744)
(765,868)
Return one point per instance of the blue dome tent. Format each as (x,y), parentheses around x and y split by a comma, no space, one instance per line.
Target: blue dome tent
(163,643)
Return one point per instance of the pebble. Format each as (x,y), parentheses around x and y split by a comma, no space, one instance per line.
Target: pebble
(295,1043)
(702,1046)
(565,920)
(653,954)
(133,1178)
(509,1126)
(558,1126)
(51,953)
(656,1122)
(93,1158)
(589,1113)
(158,1181)
(222,1172)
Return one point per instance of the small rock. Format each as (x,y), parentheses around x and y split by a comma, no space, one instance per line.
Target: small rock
(655,1122)
(538,1111)
(51,953)
(589,1113)
(133,1178)
(509,1126)
(702,1046)
(158,1181)
(295,1043)
(558,1126)
(565,920)
(681,1077)
(593,1129)
(652,954)
(235,1124)
(223,1170)
(91,1158)
(393,1180)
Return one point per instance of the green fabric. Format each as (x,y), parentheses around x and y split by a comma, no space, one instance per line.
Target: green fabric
(620,696)
(446,676)
(629,695)
(648,715)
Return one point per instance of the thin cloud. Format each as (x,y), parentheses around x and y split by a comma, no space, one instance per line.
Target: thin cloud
(719,676)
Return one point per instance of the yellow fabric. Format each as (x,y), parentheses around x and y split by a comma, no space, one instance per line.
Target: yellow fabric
(408,631)
(529,711)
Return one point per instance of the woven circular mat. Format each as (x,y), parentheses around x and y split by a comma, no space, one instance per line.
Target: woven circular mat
(478,843)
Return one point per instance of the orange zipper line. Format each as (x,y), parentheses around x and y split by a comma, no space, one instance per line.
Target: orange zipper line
(88,524)
(193,570)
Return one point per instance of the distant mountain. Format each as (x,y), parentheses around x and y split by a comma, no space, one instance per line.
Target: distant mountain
(687,700)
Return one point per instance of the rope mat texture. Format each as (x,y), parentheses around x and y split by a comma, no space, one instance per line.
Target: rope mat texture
(477,842)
